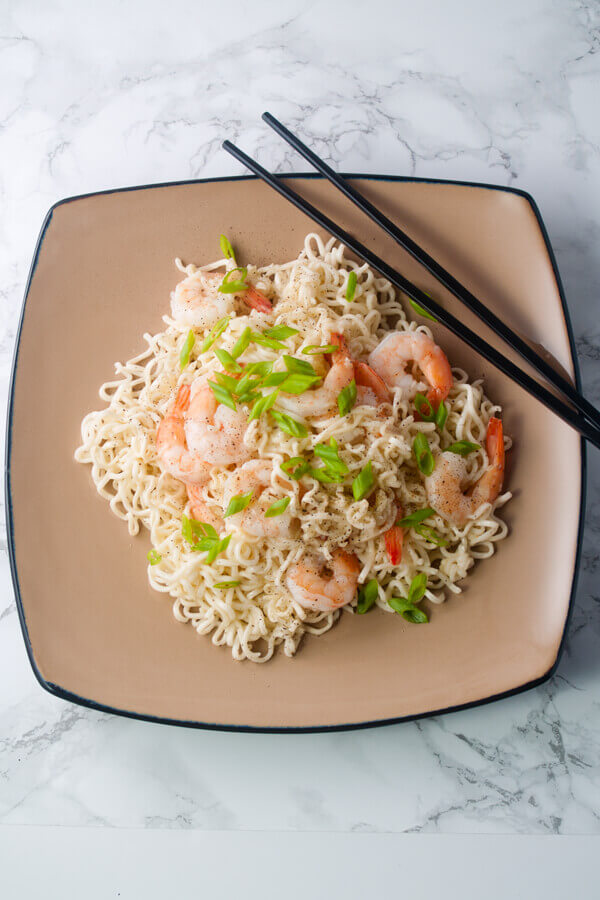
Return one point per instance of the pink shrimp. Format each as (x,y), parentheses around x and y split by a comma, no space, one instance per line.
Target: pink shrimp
(197,302)
(392,357)
(325,586)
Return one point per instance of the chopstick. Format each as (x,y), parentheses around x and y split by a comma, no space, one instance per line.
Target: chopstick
(506,366)
(439,272)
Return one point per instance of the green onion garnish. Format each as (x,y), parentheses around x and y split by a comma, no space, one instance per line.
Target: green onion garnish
(215,332)
(313,349)
(415,518)
(298,384)
(208,539)
(424,408)
(230,286)
(268,342)
(227,361)
(227,381)
(238,503)
(351,286)
(226,248)
(463,448)
(275,379)
(423,454)
(419,309)
(408,611)
(295,467)
(417,588)
(242,342)
(431,535)
(326,476)
(259,368)
(262,405)
(153,557)
(329,454)
(299,366)
(347,398)
(277,508)
(289,425)
(363,482)
(218,547)
(280,332)
(245,383)
(223,585)
(223,395)
(441,415)
(184,356)
(367,596)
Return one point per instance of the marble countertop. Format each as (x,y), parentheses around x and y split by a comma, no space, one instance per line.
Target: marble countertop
(106,95)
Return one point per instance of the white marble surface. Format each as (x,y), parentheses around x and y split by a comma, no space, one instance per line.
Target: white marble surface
(104,95)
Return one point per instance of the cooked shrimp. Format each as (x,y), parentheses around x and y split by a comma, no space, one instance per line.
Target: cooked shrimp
(445,484)
(212,430)
(173,452)
(197,302)
(322,400)
(199,509)
(392,357)
(324,586)
(371,389)
(256,476)
(394,541)
(197,433)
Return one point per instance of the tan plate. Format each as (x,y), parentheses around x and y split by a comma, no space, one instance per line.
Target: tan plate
(95,631)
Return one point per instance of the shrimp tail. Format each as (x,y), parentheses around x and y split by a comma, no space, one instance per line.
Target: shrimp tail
(255,299)
(182,400)
(394,540)
(367,377)
(494,442)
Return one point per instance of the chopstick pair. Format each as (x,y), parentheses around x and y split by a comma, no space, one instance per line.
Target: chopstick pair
(584,418)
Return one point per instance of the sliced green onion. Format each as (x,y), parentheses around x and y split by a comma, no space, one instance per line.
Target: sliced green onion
(153,557)
(351,286)
(298,384)
(277,508)
(227,360)
(227,381)
(347,398)
(363,482)
(295,467)
(259,368)
(238,503)
(408,611)
(249,397)
(441,415)
(367,596)
(275,379)
(215,332)
(186,529)
(186,350)
(424,408)
(299,366)
(417,588)
(280,332)
(223,395)
(219,547)
(313,349)
(223,585)
(245,383)
(329,454)
(242,342)
(419,309)
(463,448)
(226,248)
(431,535)
(268,342)
(289,425)
(230,286)
(423,454)
(262,405)
(415,518)
(326,476)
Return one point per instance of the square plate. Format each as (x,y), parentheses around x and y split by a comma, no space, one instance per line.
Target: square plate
(98,635)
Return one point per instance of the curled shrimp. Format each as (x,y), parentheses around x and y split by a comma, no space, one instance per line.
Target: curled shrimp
(392,357)
(323,400)
(197,302)
(199,509)
(371,389)
(324,586)
(256,476)
(445,484)
(198,433)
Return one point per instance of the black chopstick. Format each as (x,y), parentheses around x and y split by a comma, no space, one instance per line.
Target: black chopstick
(561,409)
(440,273)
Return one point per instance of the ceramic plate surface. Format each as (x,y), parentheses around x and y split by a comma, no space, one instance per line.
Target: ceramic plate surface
(95,631)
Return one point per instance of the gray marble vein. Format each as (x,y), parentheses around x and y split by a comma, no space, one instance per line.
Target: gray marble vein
(104,95)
